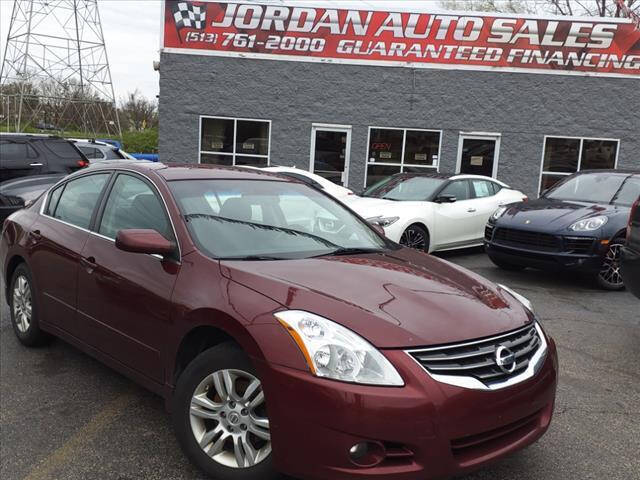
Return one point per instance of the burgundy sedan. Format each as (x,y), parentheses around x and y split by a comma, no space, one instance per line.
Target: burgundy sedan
(284,332)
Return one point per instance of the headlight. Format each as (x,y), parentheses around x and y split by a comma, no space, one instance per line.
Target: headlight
(498,213)
(589,224)
(522,299)
(335,352)
(383,221)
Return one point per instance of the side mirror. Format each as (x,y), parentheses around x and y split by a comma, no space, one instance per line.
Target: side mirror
(446,199)
(143,241)
(378,229)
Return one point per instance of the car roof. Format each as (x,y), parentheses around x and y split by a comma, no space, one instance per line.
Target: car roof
(187,171)
(37,136)
(627,171)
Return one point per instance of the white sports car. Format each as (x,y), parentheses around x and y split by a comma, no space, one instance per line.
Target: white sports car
(321,183)
(432,212)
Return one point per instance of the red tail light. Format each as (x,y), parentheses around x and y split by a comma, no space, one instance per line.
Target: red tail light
(82,163)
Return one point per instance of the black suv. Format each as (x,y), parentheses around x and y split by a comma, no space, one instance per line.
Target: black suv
(23,155)
(631,252)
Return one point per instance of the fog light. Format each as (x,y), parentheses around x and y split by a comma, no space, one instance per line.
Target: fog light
(367,454)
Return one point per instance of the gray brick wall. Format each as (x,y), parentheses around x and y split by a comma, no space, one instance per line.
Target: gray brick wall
(294,95)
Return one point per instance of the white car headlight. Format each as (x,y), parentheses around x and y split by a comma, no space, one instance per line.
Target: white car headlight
(335,352)
(526,303)
(383,221)
(589,224)
(498,213)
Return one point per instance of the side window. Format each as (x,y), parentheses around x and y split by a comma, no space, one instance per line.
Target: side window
(458,189)
(54,198)
(79,198)
(12,151)
(496,187)
(92,153)
(483,188)
(133,204)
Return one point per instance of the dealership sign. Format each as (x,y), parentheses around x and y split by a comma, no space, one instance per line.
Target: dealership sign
(430,40)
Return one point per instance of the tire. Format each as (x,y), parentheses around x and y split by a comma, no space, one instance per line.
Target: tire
(506,265)
(416,237)
(24,310)
(609,277)
(228,423)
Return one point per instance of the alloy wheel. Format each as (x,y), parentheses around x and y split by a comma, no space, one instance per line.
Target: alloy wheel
(22,304)
(229,419)
(610,272)
(414,238)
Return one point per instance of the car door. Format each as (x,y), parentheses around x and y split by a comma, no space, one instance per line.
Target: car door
(452,220)
(19,159)
(485,203)
(58,237)
(124,299)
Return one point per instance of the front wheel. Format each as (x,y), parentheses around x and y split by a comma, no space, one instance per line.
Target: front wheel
(417,237)
(220,416)
(609,277)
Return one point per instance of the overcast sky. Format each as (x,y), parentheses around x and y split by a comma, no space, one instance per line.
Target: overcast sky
(132,34)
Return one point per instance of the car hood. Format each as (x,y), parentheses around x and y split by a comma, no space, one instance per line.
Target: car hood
(368,207)
(554,215)
(399,299)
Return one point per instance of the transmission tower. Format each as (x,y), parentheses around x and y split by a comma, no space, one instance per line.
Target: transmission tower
(55,72)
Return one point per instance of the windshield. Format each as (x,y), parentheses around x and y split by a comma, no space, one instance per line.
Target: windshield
(263,220)
(405,188)
(602,188)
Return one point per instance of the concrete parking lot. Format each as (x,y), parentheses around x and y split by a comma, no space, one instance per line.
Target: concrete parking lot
(65,416)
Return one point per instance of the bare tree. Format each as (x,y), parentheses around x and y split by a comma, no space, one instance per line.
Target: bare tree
(138,112)
(589,8)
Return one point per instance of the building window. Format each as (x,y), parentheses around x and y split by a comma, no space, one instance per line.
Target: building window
(395,150)
(234,141)
(565,156)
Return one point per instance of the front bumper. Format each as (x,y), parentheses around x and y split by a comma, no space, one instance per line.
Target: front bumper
(429,430)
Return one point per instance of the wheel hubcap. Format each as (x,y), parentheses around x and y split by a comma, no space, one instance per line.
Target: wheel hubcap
(22,304)
(413,238)
(229,419)
(610,272)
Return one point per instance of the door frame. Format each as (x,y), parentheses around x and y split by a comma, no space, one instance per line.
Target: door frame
(348,129)
(497,137)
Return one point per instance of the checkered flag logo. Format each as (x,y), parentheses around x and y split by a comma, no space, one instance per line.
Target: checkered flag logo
(188,15)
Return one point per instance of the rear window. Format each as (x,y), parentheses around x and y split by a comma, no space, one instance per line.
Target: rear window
(63,149)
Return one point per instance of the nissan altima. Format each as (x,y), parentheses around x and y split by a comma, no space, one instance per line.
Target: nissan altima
(308,345)
(580,224)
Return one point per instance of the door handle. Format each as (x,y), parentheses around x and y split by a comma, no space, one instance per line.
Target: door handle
(35,165)
(472,210)
(36,235)
(89,264)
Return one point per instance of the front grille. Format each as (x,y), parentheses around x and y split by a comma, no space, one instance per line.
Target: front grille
(540,241)
(479,359)
(579,245)
(488,232)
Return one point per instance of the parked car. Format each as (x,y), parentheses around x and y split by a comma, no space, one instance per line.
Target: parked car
(432,212)
(321,183)
(16,193)
(26,154)
(579,224)
(631,252)
(97,151)
(322,353)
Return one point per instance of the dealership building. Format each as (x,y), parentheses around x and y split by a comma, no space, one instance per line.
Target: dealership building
(356,92)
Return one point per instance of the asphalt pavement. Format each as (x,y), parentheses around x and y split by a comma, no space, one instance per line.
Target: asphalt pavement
(63,415)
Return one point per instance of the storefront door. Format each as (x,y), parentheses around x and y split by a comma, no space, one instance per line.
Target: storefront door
(478,154)
(330,151)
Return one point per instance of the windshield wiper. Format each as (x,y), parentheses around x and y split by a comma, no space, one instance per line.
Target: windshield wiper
(273,228)
(343,251)
(254,258)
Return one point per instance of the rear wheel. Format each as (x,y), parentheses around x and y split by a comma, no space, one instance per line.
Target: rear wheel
(609,276)
(417,237)
(506,265)
(220,416)
(24,309)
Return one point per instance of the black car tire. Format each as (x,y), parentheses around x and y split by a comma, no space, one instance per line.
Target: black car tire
(604,279)
(506,265)
(226,356)
(416,237)
(22,294)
